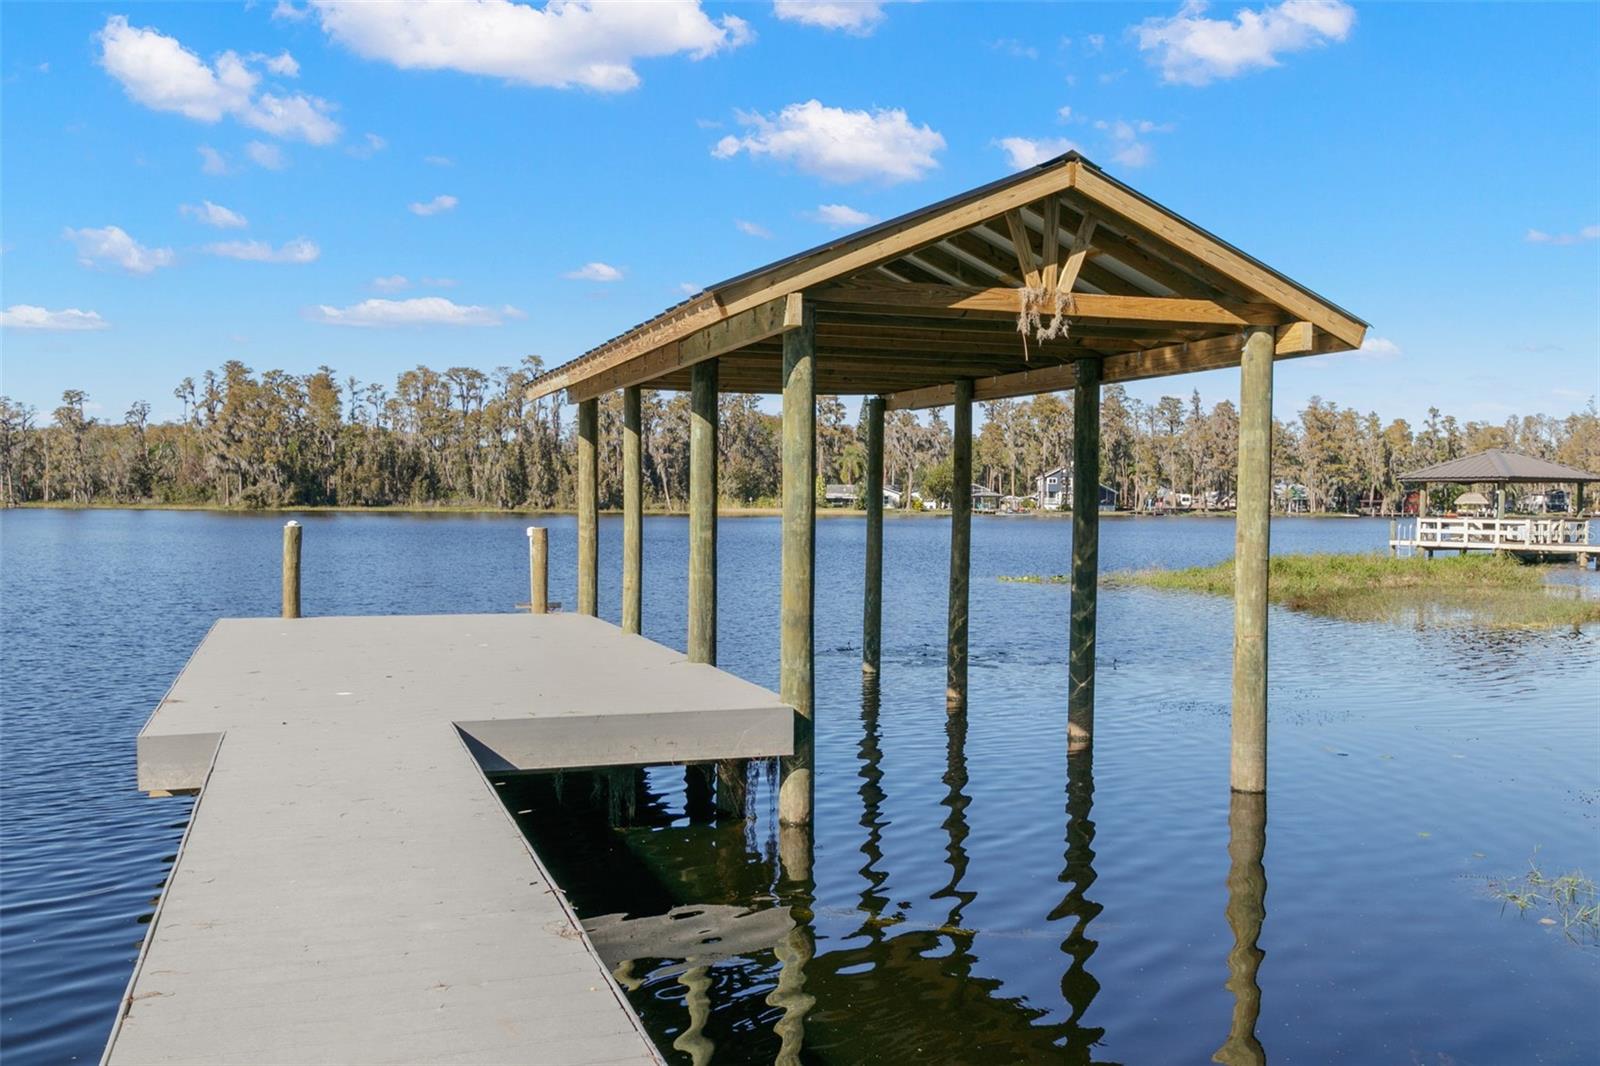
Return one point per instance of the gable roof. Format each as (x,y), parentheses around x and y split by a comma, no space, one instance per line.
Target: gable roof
(934,295)
(1498,465)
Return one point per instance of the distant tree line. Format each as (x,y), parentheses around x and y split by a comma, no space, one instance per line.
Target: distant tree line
(465,437)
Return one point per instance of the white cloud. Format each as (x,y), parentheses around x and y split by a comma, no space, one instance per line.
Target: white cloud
(1024,152)
(421,311)
(299,250)
(595,272)
(440,283)
(751,229)
(1378,350)
(160,73)
(838,145)
(390,283)
(213,161)
(434,206)
(214,215)
(1064,113)
(70,319)
(113,245)
(283,64)
(1191,49)
(841,216)
(689,288)
(268,156)
(574,43)
(1587,233)
(286,10)
(371,144)
(859,17)
(438,161)
(1126,147)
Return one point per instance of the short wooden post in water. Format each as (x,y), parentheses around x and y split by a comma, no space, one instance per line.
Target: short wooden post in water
(872,592)
(632,512)
(1085,554)
(703,512)
(955,684)
(538,569)
(1394,535)
(796,665)
(589,507)
(1251,544)
(291,569)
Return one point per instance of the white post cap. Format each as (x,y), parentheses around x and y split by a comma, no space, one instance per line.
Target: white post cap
(290,523)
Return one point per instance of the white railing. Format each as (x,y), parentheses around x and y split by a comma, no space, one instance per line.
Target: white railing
(1490,533)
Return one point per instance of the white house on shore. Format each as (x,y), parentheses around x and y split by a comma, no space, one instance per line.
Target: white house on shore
(1053,490)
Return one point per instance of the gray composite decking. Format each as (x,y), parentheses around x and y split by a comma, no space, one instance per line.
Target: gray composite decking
(350,889)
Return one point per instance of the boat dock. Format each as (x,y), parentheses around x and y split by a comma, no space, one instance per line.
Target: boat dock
(350,889)
(1554,538)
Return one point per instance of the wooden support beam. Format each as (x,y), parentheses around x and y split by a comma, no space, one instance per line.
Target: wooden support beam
(589,507)
(796,636)
(1248,770)
(702,638)
(1024,246)
(1085,554)
(1212,353)
(538,570)
(1050,215)
(955,692)
(872,593)
(1077,254)
(769,319)
(632,511)
(1001,301)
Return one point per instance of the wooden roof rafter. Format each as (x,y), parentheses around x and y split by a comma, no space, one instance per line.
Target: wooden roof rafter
(921,300)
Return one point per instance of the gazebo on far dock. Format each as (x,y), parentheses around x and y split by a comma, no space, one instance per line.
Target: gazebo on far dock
(1058,277)
(1558,536)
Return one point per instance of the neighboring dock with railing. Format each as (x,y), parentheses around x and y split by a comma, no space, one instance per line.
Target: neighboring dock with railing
(1557,538)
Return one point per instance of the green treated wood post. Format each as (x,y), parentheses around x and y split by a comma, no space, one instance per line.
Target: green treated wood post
(1085,554)
(1251,544)
(796,663)
(1247,912)
(872,593)
(589,507)
(291,569)
(632,512)
(538,570)
(703,512)
(955,684)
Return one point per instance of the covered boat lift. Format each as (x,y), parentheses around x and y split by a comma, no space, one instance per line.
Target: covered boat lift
(1059,277)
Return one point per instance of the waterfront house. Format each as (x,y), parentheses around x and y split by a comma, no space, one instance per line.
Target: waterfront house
(841,495)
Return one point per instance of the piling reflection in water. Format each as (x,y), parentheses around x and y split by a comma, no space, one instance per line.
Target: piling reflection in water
(1078,985)
(1247,910)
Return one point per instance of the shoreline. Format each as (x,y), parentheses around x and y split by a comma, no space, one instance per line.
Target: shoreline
(723,511)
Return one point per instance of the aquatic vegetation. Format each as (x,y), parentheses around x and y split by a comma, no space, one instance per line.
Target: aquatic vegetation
(1477,589)
(1571,899)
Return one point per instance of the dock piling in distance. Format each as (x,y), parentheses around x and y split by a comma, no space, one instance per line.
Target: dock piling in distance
(872,596)
(632,512)
(538,569)
(955,689)
(1085,554)
(291,569)
(589,507)
(1248,769)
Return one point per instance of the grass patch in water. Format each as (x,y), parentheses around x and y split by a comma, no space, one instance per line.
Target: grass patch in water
(1480,589)
(1573,897)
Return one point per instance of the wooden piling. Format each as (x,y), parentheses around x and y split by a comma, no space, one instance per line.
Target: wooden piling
(955,685)
(632,512)
(795,684)
(1085,554)
(872,590)
(1251,545)
(538,569)
(703,512)
(291,569)
(1246,912)
(589,507)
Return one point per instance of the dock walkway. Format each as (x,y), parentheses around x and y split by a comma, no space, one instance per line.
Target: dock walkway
(350,889)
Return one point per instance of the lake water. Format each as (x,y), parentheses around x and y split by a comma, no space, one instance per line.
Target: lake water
(972,898)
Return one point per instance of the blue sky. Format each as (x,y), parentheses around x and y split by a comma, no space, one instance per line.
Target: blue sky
(372,186)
